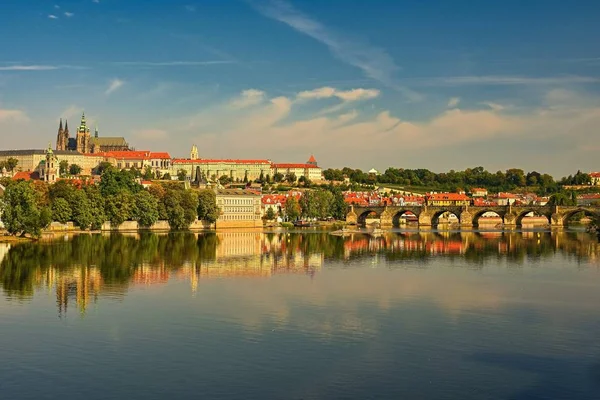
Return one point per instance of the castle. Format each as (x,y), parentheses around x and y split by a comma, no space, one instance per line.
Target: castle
(85,143)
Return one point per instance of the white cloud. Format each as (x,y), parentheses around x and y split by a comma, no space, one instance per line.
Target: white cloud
(28,67)
(114,85)
(96,1)
(52,16)
(190,8)
(345,95)
(171,63)
(494,106)
(57,6)
(150,134)
(68,14)
(373,61)
(13,115)
(496,80)
(378,139)
(248,98)
(453,102)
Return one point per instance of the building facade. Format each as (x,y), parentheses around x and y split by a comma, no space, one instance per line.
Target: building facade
(84,142)
(238,209)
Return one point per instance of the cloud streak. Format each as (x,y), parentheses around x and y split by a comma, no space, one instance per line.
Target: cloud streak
(498,80)
(345,95)
(170,63)
(373,61)
(114,85)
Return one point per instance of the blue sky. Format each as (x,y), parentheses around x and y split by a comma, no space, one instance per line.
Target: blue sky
(437,84)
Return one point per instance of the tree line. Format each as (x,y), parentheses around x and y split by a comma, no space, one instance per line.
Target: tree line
(28,207)
(499,181)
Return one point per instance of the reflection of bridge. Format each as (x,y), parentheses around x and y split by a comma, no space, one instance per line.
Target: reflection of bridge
(467,215)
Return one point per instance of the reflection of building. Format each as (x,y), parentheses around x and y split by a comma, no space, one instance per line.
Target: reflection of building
(238,209)
(4,248)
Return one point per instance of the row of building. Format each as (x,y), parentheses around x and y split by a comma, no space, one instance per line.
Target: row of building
(88,152)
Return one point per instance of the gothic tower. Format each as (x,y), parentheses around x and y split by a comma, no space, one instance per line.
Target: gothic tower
(83,137)
(194,153)
(60,144)
(67,139)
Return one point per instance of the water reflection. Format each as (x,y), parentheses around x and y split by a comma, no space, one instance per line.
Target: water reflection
(82,268)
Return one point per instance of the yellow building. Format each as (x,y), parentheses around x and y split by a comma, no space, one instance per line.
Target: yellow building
(238,209)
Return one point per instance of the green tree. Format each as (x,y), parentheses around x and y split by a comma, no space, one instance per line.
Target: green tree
(277,177)
(63,167)
(113,182)
(207,206)
(181,208)
(166,177)
(145,210)
(11,164)
(292,208)
(97,205)
(21,212)
(148,173)
(291,178)
(61,210)
(119,208)
(81,210)
(74,169)
(181,174)
(159,192)
(270,214)
(224,179)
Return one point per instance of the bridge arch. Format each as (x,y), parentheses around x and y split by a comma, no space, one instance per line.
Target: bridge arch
(566,217)
(364,214)
(522,214)
(480,213)
(403,213)
(435,217)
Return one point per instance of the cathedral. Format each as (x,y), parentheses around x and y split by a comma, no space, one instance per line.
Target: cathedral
(85,143)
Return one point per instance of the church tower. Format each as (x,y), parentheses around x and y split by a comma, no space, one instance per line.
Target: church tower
(194,153)
(83,137)
(50,172)
(60,144)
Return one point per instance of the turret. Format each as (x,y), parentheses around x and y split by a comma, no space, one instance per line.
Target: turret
(60,137)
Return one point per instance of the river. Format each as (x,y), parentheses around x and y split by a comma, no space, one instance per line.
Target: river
(301,315)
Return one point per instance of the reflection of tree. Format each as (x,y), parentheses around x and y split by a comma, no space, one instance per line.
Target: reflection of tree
(114,261)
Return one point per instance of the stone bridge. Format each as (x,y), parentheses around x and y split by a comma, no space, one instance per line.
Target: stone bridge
(467,215)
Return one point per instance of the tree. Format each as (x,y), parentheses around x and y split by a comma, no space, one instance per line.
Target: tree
(114,182)
(74,169)
(96,206)
(207,206)
(145,210)
(261,178)
(103,166)
(291,178)
(148,173)
(159,192)
(11,164)
(167,177)
(82,214)
(181,208)
(269,214)
(278,177)
(224,179)
(181,174)
(61,210)
(21,212)
(246,177)
(292,208)
(63,167)
(118,208)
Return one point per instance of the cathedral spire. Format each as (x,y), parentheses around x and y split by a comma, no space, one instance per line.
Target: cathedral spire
(96,131)
(66,125)
(60,128)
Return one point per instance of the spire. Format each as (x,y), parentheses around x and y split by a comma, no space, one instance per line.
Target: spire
(66,125)
(60,128)
(96,131)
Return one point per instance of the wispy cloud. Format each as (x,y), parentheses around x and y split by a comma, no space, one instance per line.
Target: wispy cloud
(375,62)
(28,67)
(453,102)
(190,8)
(96,1)
(114,85)
(52,16)
(38,67)
(68,14)
(345,95)
(498,80)
(248,98)
(72,111)
(57,6)
(170,63)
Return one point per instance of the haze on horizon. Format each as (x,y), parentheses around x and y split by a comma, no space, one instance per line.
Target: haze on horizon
(437,85)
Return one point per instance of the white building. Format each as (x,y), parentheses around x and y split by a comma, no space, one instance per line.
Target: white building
(238,209)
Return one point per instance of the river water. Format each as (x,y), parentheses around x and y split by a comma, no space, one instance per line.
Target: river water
(253,315)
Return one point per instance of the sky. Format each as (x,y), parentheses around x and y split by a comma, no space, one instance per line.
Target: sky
(368,84)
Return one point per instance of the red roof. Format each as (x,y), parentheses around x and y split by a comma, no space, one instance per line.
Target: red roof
(215,161)
(25,175)
(448,196)
(312,159)
(595,174)
(285,165)
(136,155)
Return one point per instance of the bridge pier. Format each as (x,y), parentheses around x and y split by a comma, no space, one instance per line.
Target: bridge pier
(386,219)
(466,219)
(557,220)
(351,217)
